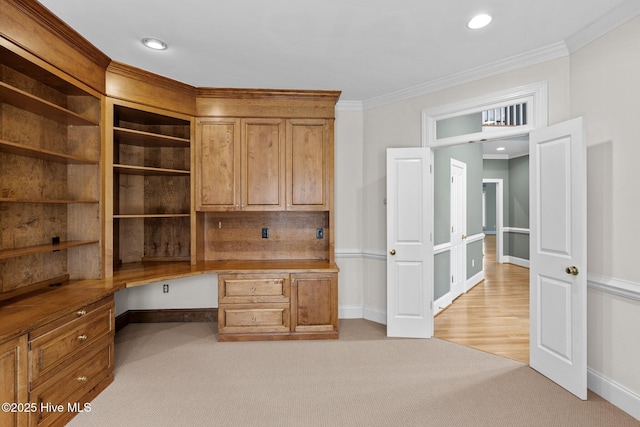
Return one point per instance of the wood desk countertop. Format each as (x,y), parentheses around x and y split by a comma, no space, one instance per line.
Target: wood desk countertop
(24,313)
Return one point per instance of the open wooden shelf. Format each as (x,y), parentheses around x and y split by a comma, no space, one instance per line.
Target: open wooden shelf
(38,249)
(149,171)
(148,139)
(26,101)
(39,153)
(46,201)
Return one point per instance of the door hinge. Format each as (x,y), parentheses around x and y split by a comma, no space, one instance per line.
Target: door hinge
(451,279)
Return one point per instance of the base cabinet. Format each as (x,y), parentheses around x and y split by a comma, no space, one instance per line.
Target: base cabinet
(314,302)
(70,361)
(259,306)
(13,381)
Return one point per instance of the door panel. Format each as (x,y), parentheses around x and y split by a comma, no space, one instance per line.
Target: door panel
(458,227)
(558,255)
(410,249)
(218,169)
(263,147)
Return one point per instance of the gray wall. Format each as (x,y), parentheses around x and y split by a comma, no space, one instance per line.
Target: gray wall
(515,177)
(461,125)
(490,207)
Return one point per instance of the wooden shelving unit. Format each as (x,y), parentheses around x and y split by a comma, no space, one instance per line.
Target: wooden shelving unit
(152,207)
(50,175)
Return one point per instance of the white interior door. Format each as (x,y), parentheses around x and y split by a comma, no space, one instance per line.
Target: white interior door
(458,227)
(409,246)
(558,275)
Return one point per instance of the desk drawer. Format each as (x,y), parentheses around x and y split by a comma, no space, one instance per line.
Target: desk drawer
(253,288)
(253,318)
(71,384)
(51,348)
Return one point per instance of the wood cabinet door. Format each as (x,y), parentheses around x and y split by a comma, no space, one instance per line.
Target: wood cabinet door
(263,163)
(13,381)
(218,164)
(314,302)
(308,164)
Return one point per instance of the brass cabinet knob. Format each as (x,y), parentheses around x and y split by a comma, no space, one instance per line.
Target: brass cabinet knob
(81,312)
(82,337)
(253,319)
(81,379)
(572,270)
(392,252)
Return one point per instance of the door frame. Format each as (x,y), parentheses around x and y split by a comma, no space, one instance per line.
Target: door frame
(499,216)
(536,97)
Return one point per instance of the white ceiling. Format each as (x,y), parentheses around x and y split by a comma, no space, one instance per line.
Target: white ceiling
(366,48)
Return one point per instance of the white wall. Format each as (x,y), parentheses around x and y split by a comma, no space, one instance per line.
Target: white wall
(605,88)
(399,125)
(189,292)
(348,210)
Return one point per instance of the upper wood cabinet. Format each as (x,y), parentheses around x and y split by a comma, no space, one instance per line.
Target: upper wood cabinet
(263,164)
(309,164)
(241,164)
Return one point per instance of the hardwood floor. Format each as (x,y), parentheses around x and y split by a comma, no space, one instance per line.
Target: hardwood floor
(494,315)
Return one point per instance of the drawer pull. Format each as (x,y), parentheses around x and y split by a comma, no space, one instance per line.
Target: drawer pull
(253,289)
(253,319)
(82,379)
(82,337)
(81,312)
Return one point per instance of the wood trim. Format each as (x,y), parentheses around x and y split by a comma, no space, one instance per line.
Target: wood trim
(265,103)
(51,22)
(167,315)
(246,93)
(32,27)
(133,84)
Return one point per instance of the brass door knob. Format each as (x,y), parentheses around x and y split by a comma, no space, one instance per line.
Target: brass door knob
(572,270)
(392,252)
(464,236)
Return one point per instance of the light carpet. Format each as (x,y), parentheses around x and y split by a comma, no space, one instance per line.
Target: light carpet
(177,374)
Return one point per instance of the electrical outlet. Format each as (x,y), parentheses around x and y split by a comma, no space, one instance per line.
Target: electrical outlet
(319,233)
(265,233)
(165,288)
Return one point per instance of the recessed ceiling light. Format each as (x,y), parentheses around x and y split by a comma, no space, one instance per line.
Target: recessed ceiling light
(154,43)
(479,21)
(500,149)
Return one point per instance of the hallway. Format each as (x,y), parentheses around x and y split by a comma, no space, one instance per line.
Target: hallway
(494,315)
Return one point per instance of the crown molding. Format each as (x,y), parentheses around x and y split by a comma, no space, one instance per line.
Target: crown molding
(616,17)
(532,57)
(349,106)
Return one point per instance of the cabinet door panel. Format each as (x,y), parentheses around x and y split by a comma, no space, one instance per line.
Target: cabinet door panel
(263,159)
(314,300)
(218,175)
(13,379)
(307,164)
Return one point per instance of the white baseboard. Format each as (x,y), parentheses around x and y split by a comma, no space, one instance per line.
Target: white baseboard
(350,313)
(441,303)
(516,261)
(375,315)
(617,395)
(474,280)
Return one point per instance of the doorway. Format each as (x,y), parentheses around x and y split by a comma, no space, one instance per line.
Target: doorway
(492,314)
